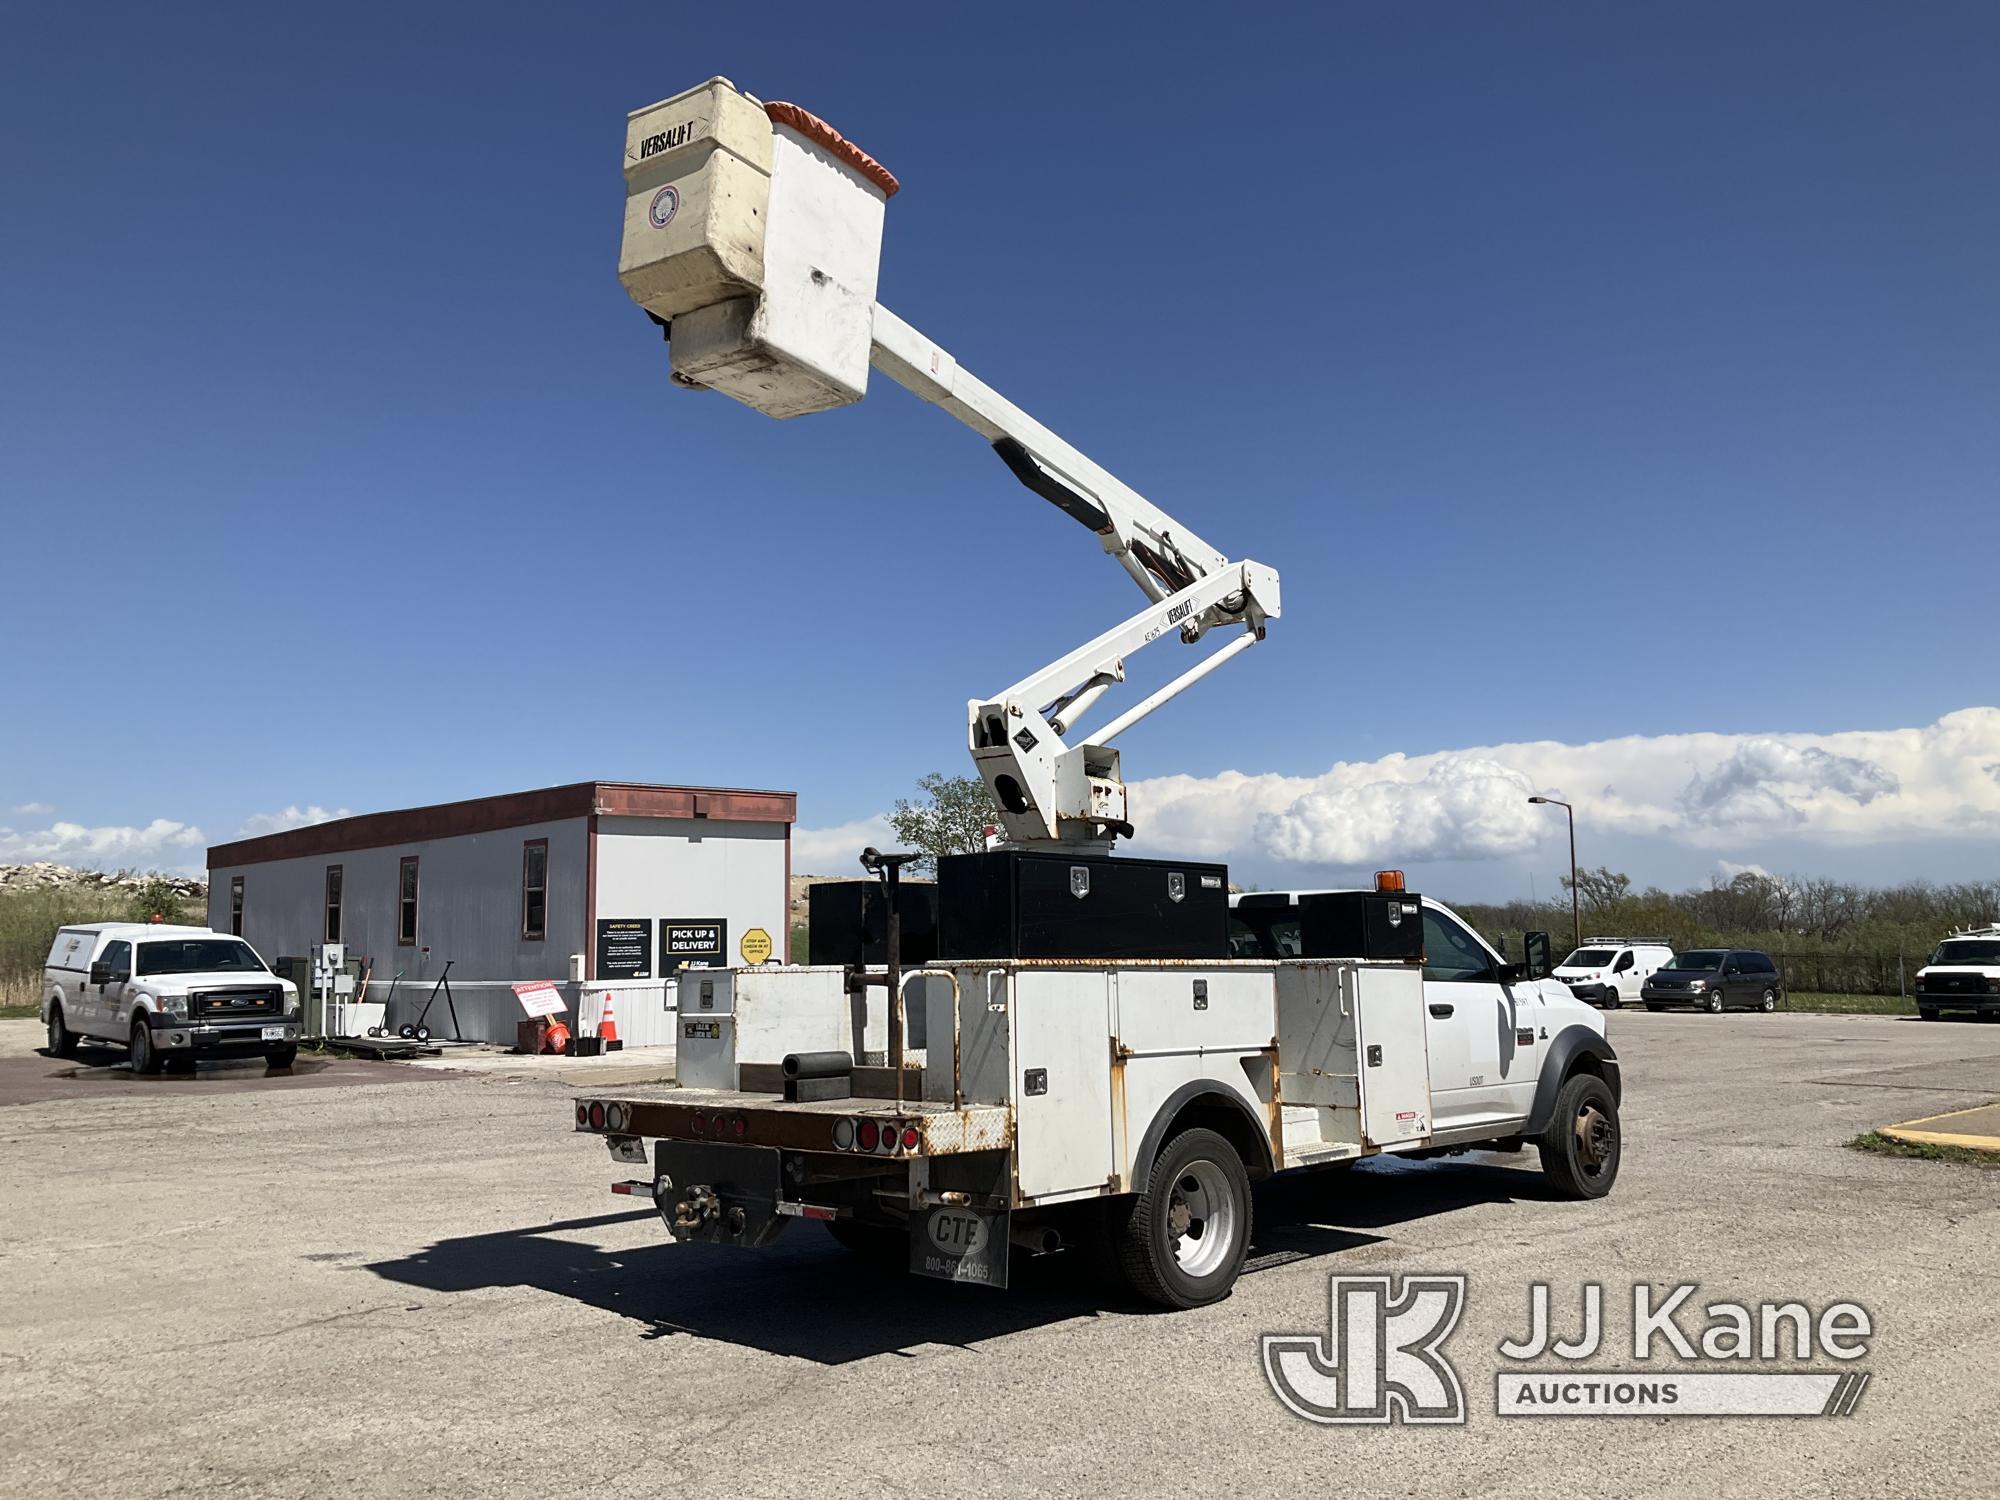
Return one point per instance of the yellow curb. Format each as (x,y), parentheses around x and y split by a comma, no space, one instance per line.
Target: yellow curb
(1986,1143)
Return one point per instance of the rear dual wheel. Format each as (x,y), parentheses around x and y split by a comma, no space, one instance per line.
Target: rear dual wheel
(1184,1240)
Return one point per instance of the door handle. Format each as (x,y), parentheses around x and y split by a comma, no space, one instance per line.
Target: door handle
(1441,1011)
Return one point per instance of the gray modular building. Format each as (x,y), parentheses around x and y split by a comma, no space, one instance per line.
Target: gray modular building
(610,884)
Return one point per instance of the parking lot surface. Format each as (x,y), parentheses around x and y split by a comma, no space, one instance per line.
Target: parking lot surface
(423,1285)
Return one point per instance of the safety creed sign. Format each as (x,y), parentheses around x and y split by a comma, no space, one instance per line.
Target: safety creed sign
(756,946)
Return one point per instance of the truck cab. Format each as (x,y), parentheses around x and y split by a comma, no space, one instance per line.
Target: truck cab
(1487,1025)
(170,994)
(1963,974)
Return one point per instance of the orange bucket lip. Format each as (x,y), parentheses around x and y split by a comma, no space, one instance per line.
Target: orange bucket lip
(813,128)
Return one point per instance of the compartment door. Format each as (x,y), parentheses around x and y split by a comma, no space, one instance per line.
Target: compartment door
(1395,1062)
(1061,1084)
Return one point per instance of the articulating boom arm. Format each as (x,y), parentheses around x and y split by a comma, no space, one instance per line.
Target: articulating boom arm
(1050,791)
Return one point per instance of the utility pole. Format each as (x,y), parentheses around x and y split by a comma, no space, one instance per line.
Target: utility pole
(1575,902)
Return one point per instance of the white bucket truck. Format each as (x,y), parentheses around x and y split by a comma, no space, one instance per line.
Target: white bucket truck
(1094,1061)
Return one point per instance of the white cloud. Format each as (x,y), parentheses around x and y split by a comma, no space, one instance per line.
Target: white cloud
(1463,807)
(1729,869)
(837,850)
(109,845)
(291,817)
(1851,788)
(34,809)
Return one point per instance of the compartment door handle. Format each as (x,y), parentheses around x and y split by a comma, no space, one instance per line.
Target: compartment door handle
(1442,1011)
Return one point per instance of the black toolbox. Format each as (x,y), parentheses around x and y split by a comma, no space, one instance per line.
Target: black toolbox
(1362,924)
(1016,903)
(848,923)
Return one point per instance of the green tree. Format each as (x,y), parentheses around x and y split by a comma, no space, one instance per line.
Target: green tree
(950,818)
(157,898)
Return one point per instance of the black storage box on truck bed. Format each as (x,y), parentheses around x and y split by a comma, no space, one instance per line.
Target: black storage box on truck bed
(848,923)
(1023,904)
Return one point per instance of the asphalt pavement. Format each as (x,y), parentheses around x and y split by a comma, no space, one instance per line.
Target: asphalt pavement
(388,1283)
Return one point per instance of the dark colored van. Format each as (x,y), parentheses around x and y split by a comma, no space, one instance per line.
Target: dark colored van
(1715,980)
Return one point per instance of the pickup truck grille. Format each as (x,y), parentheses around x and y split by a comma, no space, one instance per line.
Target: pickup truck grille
(241,1000)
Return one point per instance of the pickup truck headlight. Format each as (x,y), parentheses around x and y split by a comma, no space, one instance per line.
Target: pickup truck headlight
(174,1005)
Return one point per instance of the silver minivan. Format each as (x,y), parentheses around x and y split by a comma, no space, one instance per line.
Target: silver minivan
(169,994)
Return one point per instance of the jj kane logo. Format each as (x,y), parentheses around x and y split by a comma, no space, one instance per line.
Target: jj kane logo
(1382,1357)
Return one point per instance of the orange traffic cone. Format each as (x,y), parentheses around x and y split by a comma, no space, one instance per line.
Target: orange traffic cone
(607,1025)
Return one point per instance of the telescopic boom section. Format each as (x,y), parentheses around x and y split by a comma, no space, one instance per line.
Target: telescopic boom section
(753,237)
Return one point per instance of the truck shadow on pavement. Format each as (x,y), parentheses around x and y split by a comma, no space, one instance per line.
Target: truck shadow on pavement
(807,1298)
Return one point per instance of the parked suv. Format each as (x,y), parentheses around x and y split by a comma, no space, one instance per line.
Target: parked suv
(1963,974)
(1608,971)
(1714,979)
(170,994)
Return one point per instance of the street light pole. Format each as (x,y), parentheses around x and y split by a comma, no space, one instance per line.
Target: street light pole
(1575,903)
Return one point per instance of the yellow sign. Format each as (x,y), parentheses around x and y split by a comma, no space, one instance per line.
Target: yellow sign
(755,946)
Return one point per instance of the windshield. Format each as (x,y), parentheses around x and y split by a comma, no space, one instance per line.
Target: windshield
(199,956)
(1964,951)
(1587,958)
(1700,960)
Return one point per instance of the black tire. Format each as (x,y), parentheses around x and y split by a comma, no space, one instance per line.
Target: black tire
(1655,1009)
(423,1033)
(62,1041)
(1584,1143)
(1198,1186)
(179,1062)
(280,1058)
(1712,1002)
(145,1056)
(1768,1001)
(407,1032)
(1927,1012)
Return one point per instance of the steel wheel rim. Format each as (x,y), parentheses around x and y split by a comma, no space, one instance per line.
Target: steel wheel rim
(1596,1140)
(1202,1215)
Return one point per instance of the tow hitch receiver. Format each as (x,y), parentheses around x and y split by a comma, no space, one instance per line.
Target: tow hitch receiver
(718,1194)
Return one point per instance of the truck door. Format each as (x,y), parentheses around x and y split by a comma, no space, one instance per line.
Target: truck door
(117,957)
(1472,1025)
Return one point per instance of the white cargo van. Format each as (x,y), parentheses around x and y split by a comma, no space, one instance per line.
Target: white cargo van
(1608,971)
(170,994)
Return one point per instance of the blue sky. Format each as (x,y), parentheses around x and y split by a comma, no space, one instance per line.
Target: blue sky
(1593,374)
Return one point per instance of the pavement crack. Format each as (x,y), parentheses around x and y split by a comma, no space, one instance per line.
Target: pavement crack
(276,1333)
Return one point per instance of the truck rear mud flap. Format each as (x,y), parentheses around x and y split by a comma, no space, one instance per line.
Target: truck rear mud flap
(961,1244)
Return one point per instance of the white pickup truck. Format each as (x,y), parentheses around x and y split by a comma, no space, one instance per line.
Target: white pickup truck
(1042,1101)
(170,994)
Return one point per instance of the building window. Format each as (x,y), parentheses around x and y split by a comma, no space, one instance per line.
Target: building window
(406,903)
(236,905)
(534,890)
(333,873)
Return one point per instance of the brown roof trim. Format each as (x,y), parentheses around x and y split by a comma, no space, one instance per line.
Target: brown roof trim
(582,799)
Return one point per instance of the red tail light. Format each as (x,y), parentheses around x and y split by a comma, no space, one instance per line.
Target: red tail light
(866,1135)
(597,1116)
(582,1115)
(909,1137)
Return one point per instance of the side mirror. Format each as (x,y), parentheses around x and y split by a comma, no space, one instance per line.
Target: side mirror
(100,973)
(1538,961)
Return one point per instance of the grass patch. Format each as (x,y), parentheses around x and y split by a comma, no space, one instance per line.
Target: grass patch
(797,948)
(21,1012)
(1850,1005)
(1884,1145)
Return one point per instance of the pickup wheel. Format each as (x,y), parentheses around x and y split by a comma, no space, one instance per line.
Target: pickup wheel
(1582,1146)
(280,1058)
(1184,1241)
(62,1041)
(145,1058)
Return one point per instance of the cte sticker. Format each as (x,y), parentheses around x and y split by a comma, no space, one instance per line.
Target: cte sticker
(666,203)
